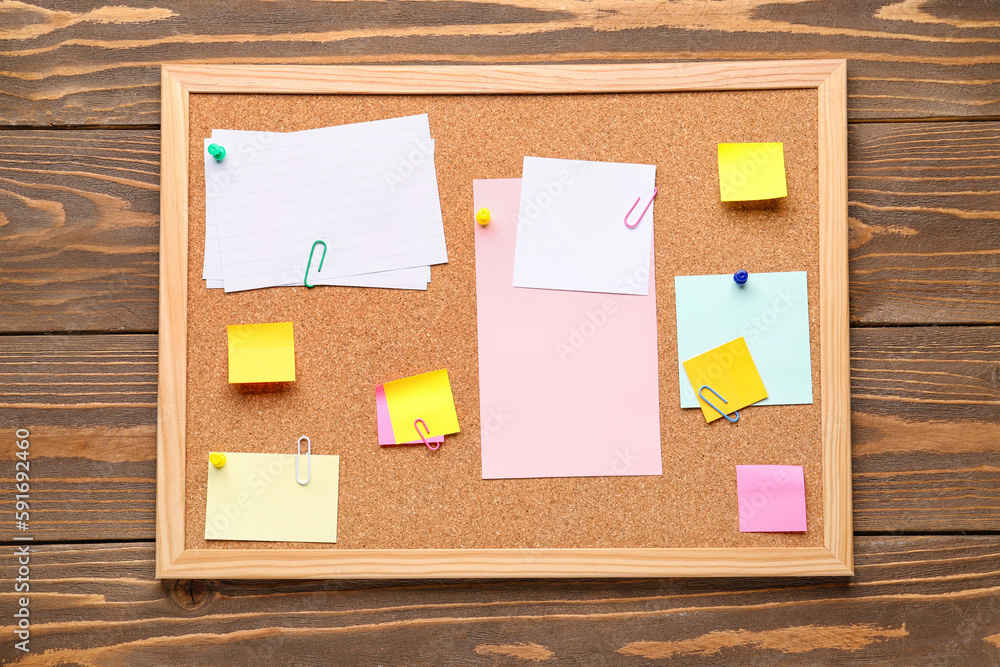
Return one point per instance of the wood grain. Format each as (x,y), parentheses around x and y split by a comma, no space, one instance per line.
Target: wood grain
(94,64)
(89,404)
(510,79)
(78,219)
(78,381)
(915,600)
(925,430)
(835,377)
(171,401)
(926,423)
(78,237)
(78,224)
(919,374)
(925,223)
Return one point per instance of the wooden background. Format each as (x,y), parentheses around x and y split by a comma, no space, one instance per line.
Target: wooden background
(79,164)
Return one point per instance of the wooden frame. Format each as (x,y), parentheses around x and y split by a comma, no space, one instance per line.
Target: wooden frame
(834,558)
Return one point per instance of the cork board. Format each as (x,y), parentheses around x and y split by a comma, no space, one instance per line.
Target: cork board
(348,340)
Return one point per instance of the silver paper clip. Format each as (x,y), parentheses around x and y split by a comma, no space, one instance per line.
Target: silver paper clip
(309,448)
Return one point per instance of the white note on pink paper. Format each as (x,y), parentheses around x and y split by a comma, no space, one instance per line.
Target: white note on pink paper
(568,381)
(572,232)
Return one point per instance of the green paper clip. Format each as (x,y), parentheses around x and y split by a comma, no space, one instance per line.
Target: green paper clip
(305,278)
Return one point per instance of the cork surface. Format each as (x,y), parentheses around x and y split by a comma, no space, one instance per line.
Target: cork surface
(348,340)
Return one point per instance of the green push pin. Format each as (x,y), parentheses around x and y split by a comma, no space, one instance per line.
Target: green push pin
(216,151)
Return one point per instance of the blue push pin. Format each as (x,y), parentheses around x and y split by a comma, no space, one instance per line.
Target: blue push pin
(741,277)
(216,151)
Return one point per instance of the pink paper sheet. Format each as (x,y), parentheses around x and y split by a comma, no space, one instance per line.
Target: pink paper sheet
(386,436)
(568,382)
(772,499)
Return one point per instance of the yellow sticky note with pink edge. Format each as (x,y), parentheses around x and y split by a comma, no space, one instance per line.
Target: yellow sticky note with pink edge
(730,372)
(261,352)
(426,397)
(751,172)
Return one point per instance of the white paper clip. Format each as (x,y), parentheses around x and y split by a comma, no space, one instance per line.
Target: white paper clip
(309,448)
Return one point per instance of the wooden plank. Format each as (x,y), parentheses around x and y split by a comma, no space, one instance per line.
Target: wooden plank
(94,64)
(506,79)
(78,223)
(834,334)
(89,405)
(926,428)
(78,381)
(925,431)
(915,600)
(86,483)
(172,335)
(81,211)
(925,223)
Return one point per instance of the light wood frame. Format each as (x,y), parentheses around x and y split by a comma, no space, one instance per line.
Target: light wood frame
(834,558)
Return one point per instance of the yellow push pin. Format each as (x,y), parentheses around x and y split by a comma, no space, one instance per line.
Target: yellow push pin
(218,459)
(483,216)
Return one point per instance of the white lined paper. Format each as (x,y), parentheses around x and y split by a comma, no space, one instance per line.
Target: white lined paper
(368,190)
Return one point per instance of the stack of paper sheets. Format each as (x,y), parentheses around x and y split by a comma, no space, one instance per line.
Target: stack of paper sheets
(368,191)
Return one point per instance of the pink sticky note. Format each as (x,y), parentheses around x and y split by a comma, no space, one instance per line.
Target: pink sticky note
(568,382)
(772,499)
(386,436)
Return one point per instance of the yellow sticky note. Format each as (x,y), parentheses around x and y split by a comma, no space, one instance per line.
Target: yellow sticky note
(427,397)
(748,172)
(730,371)
(255,497)
(261,352)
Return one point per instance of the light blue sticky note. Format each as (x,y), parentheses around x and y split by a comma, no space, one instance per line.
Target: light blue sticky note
(771,312)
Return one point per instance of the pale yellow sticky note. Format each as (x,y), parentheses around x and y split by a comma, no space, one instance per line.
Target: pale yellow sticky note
(730,371)
(748,172)
(427,397)
(255,497)
(261,352)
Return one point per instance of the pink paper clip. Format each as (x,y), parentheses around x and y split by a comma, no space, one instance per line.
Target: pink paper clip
(433,448)
(643,210)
